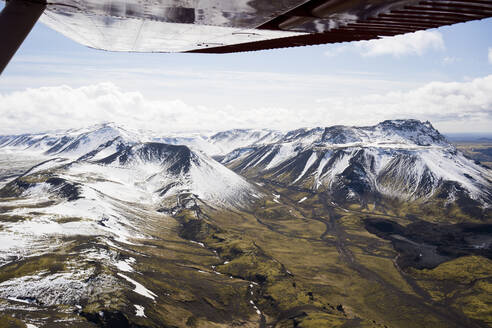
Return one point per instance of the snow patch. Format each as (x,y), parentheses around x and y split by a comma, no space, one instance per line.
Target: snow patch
(311,160)
(139,311)
(198,243)
(139,288)
(284,152)
(59,288)
(126,265)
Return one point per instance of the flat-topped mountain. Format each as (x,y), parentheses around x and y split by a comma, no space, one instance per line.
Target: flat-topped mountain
(405,159)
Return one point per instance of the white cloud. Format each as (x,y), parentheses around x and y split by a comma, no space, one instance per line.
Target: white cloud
(199,85)
(459,106)
(416,43)
(490,55)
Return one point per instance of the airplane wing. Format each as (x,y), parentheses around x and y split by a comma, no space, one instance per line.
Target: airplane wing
(225,26)
(222,26)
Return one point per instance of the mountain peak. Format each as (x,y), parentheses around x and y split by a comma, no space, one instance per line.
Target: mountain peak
(408,132)
(171,170)
(111,127)
(178,158)
(407,124)
(418,132)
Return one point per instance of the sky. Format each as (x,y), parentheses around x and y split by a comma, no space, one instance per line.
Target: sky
(442,75)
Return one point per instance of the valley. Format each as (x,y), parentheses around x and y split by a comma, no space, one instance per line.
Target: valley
(385,226)
(477,150)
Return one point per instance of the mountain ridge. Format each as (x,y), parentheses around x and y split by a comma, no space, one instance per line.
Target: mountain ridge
(407,159)
(219,143)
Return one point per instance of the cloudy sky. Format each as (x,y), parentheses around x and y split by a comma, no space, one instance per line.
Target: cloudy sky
(443,75)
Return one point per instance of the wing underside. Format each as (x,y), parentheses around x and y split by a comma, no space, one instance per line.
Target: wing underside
(224,26)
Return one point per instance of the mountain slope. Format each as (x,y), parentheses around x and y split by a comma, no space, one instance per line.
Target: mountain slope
(171,170)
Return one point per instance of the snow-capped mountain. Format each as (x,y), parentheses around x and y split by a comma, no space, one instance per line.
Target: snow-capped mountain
(224,142)
(170,170)
(72,143)
(109,176)
(149,173)
(406,159)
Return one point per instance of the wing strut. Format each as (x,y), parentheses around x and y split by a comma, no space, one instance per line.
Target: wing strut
(16,21)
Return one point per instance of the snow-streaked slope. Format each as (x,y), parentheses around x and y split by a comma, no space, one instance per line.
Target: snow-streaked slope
(401,158)
(169,170)
(147,173)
